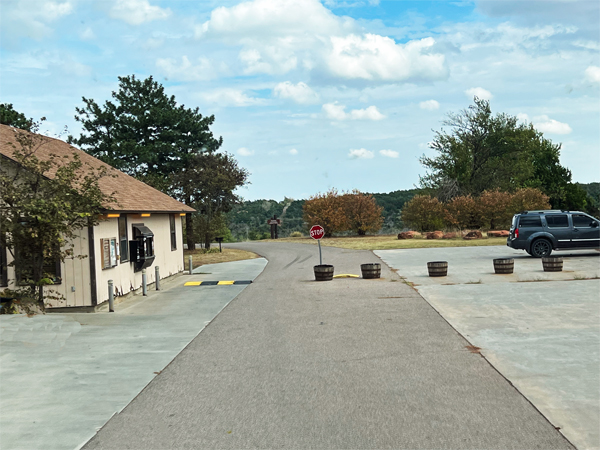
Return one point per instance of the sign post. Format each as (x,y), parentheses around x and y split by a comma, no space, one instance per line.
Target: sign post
(274,221)
(317,232)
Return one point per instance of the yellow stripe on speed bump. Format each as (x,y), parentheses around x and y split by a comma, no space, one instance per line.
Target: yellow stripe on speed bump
(193,283)
(345,275)
(225,282)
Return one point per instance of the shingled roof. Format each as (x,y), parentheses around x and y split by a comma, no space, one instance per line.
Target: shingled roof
(132,195)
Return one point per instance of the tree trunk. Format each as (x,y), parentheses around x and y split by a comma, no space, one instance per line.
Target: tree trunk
(189,232)
(40,295)
(207,241)
(37,272)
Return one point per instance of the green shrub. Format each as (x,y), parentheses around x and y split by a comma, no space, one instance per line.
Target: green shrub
(296,234)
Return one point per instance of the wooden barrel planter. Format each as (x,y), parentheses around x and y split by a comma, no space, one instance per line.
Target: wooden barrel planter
(504,265)
(371,270)
(552,264)
(437,268)
(323,272)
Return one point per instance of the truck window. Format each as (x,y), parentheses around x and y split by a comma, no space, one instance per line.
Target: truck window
(530,221)
(581,221)
(557,221)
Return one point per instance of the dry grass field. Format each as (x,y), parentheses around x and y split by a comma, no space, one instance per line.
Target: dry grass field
(199,258)
(386,242)
(379,242)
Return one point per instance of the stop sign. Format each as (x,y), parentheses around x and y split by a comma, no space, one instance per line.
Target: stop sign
(317,232)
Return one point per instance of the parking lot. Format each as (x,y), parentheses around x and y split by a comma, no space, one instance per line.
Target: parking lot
(540,330)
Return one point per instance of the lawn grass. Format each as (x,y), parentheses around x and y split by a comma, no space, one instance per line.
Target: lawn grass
(199,258)
(387,242)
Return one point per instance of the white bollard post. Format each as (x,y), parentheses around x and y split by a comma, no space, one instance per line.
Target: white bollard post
(144,285)
(111,296)
(190,264)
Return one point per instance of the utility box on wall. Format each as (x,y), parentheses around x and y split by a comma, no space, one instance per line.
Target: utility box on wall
(141,249)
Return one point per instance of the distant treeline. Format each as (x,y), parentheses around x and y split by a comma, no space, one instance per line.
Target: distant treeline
(248,220)
(593,198)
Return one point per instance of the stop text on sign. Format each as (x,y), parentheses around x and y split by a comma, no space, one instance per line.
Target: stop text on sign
(317,232)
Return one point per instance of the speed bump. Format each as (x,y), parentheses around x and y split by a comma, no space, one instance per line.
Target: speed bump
(345,275)
(217,283)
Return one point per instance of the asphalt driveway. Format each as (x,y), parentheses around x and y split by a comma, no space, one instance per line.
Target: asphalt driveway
(349,363)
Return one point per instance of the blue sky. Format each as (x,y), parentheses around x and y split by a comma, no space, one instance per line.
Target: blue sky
(310,94)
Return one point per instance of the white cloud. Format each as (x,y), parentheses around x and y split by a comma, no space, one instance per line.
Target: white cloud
(590,45)
(269,19)
(153,43)
(54,10)
(272,60)
(545,124)
(389,153)
(293,151)
(87,34)
(62,64)
(186,71)
(505,36)
(243,151)
(137,12)
(374,57)
(336,111)
(592,73)
(429,105)
(230,97)
(76,68)
(31,18)
(300,93)
(370,113)
(279,36)
(361,153)
(479,92)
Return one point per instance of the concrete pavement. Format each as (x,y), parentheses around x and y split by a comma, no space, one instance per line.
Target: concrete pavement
(62,376)
(351,363)
(541,330)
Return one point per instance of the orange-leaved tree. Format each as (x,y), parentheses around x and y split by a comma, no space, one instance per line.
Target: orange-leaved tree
(494,209)
(423,213)
(326,210)
(362,212)
(528,199)
(461,212)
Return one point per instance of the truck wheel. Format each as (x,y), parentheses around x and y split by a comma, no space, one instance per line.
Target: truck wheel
(541,248)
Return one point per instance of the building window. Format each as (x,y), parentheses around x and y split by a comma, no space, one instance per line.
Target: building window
(123,239)
(173,233)
(23,274)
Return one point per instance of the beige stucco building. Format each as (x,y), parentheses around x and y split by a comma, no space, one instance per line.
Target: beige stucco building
(142,230)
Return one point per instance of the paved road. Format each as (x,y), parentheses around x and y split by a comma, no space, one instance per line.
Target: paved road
(351,363)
